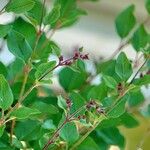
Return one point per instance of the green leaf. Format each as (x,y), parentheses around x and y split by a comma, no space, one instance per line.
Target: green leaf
(69,133)
(28,130)
(62,103)
(109,81)
(135,98)
(26,29)
(3,69)
(128,120)
(98,92)
(16,143)
(44,108)
(123,67)
(44,48)
(18,45)
(118,109)
(48,124)
(70,79)
(69,13)
(24,112)
(107,135)
(35,14)
(4,30)
(125,21)
(6,96)
(44,68)
(2,128)
(145,80)
(77,102)
(140,38)
(147,5)
(88,144)
(16,67)
(53,16)
(19,6)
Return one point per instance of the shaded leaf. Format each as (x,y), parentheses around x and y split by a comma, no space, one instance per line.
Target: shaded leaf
(24,112)
(69,133)
(19,6)
(109,81)
(118,109)
(6,96)
(62,103)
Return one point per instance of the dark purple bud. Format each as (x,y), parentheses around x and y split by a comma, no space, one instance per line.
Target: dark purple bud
(61,58)
(76,55)
(141,75)
(119,87)
(79,117)
(83,57)
(86,57)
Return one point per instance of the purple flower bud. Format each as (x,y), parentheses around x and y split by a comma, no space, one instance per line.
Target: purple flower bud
(61,58)
(79,117)
(76,55)
(119,87)
(85,57)
(69,103)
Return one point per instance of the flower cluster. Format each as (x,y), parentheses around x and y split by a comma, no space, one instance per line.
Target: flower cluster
(93,104)
(77,55)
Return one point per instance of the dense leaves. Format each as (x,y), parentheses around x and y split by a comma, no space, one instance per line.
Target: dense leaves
(44,108)
(6,96)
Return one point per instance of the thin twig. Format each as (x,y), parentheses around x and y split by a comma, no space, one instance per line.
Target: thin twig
(12,130)
(138,71)
(120,47)
(46,73)
(67,120)
(20,96)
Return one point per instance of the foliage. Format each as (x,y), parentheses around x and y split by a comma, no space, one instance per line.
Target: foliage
(87,116)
